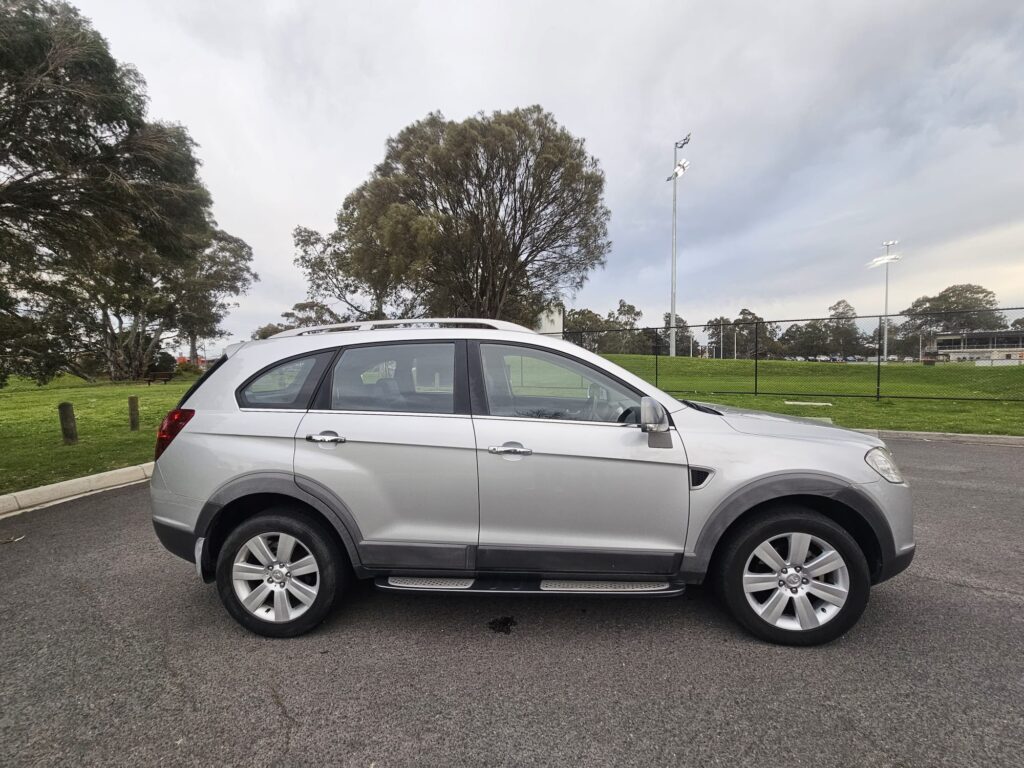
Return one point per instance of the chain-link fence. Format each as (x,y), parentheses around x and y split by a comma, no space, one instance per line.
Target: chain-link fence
(961,355)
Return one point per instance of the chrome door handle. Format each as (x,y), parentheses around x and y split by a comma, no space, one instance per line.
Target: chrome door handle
(325,438)
(510,449)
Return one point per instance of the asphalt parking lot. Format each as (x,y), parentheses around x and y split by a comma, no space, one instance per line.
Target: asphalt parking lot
(114,653)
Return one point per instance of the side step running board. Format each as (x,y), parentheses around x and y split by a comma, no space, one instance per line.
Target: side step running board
(417,582)
(561,585)
(491,585)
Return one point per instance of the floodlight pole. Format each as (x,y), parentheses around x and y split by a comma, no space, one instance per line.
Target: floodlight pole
(883,331)
(885,328)
(672,305)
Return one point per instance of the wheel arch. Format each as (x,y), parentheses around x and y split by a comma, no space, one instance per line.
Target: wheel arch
(836,499)
(249,495)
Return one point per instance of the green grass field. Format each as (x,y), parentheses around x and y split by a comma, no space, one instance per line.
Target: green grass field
(959,380)
(710,380)
(32,450)
(33,453)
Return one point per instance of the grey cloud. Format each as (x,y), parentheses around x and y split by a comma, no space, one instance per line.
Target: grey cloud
(820,128)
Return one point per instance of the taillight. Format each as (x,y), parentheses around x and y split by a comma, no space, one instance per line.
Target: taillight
(172,424)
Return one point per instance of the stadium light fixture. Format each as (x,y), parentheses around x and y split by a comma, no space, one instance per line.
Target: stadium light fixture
(886,260)
(679,168)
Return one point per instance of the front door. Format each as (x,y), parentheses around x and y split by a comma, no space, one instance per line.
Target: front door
(568,481)
(391,437)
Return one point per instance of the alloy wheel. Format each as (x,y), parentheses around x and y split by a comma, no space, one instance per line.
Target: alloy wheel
(796,581)
(276,577)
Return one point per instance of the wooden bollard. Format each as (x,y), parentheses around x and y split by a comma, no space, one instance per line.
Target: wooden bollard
(68,425)
(133,413)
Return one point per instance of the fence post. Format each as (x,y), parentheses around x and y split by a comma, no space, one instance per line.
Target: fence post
(68,426)
(657,350)
(878,360)
(133,413)
(757,338)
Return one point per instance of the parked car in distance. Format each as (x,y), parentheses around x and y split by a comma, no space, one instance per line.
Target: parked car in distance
(801,359)
(475,456)
(823,358)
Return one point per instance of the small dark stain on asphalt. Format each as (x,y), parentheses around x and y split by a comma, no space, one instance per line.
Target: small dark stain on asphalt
(503,625)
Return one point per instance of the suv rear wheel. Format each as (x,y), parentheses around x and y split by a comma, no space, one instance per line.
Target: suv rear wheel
(794,577)
(279,573)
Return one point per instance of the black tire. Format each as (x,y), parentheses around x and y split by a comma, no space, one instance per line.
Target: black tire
(739,547)
(334,570)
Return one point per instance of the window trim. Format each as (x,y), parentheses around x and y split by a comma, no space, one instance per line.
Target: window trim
(309,388)
(478,384)
(321,402)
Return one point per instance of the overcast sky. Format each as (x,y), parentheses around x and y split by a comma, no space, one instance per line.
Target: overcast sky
(820,129)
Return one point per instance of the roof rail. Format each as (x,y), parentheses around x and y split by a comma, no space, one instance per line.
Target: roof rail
(424,323)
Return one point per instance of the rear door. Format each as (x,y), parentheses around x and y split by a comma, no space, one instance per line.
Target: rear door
(390,436)
(568,482)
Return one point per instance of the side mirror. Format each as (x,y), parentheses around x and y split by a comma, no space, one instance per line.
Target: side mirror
(653,416)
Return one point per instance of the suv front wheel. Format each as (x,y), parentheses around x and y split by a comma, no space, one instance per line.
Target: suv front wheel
(794,577)
(278,573)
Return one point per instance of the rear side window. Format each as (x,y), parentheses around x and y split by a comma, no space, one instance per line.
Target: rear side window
(289,384)
(403,378)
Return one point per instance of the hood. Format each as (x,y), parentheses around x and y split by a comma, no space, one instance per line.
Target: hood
(776,425)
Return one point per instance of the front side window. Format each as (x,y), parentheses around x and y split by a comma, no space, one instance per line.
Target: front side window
(287,385)
(533,383)
(407,378)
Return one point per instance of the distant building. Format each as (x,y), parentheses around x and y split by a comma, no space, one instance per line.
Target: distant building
(979,345)
(182,359)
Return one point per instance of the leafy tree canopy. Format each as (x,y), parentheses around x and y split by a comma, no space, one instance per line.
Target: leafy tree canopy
(79,164)
(495,216)
(106,238)
(302,315)
(965,307)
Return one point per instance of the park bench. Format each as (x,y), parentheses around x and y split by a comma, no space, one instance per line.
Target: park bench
(163,376)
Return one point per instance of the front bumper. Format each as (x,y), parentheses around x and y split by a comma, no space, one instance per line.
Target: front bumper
(895,564)
(888,508)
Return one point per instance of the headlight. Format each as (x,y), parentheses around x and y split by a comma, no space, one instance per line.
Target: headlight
(880,460)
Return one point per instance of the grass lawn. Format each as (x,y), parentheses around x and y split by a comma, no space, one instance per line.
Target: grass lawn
(32,450)
(969,417)
(708,380)
(695,375)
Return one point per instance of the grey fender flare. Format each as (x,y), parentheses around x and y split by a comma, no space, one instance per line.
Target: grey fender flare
(766,489)
(303,489)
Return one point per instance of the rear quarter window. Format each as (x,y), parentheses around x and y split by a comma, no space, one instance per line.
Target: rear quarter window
(288,384)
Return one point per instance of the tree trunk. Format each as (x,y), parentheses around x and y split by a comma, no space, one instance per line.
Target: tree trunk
(193,350)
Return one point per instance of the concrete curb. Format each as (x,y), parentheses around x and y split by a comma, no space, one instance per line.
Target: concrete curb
(946,437)
(21,501)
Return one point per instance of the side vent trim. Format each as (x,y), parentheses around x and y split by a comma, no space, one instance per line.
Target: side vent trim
(699,477)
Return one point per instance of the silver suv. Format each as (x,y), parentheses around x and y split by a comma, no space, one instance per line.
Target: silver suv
(478,456)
